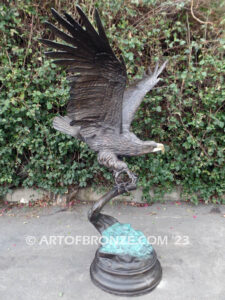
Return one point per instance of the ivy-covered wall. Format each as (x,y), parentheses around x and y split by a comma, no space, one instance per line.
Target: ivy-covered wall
(186,111)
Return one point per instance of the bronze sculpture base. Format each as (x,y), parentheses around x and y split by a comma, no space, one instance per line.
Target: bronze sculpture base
(125,275)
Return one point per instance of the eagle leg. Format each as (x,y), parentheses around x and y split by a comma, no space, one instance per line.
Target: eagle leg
(119,167)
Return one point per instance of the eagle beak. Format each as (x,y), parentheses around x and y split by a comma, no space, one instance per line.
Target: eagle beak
(159,147)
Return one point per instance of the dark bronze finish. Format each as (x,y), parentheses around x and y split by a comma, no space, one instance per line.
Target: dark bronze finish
(99,113)
(101,108)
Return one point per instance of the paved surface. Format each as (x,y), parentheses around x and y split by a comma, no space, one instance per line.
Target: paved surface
(190,243)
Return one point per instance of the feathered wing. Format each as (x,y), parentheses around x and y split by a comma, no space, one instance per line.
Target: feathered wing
(135,93)
(97,78)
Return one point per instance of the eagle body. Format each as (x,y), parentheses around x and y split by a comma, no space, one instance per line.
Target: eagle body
(101,108)
(125,144)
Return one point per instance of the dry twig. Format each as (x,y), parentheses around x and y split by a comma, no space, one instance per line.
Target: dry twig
(197,19)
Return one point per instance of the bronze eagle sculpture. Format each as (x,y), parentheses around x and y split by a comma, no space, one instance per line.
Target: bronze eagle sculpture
(101,108)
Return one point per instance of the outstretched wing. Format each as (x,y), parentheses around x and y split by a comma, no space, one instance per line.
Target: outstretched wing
(135,93)
(96,76)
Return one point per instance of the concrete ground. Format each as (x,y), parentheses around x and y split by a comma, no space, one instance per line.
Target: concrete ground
(44,254)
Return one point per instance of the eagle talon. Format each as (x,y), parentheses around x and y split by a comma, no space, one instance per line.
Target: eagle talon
(121,187)
(125,185)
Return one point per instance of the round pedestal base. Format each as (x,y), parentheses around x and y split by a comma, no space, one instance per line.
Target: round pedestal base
(125,275)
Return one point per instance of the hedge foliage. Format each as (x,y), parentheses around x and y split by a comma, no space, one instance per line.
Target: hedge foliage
(185,111)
